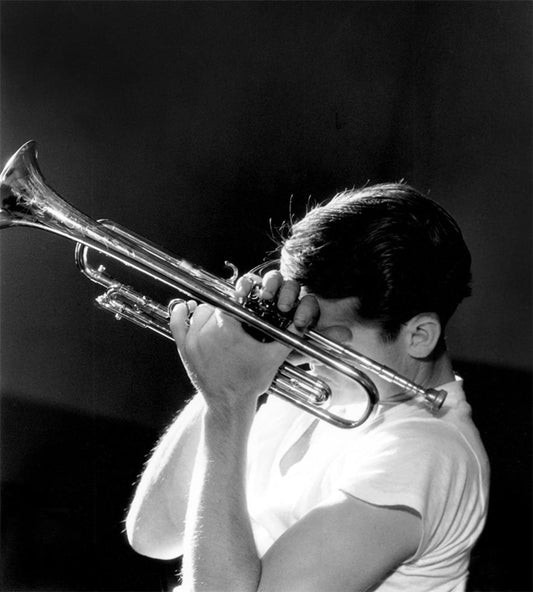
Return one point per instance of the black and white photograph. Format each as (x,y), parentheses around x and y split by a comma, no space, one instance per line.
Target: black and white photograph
(266,296)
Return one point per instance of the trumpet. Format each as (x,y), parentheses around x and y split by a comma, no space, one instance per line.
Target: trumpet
(28,201)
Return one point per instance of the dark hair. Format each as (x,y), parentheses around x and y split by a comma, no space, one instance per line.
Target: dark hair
(395,250)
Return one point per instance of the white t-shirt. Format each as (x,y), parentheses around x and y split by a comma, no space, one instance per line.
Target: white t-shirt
(402,456)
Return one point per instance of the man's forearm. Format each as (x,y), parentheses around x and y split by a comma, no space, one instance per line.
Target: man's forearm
(220,552)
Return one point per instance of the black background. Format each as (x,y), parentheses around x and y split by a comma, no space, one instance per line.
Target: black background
(203,126)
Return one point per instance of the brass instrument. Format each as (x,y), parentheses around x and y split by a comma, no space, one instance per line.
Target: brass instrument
(26,200)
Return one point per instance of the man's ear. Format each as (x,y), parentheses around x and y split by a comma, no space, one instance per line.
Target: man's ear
(423,332)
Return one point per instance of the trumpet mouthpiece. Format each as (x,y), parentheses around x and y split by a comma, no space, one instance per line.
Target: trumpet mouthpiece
(434,399)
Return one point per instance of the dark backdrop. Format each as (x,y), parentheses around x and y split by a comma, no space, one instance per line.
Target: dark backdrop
(203,126)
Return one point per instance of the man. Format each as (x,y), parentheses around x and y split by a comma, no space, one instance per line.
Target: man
(274,500)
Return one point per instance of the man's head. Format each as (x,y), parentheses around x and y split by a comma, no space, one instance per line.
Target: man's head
(397,252)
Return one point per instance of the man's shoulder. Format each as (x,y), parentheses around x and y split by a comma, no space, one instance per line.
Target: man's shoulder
(418,432)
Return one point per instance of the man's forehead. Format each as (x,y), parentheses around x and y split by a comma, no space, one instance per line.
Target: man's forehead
(341,311)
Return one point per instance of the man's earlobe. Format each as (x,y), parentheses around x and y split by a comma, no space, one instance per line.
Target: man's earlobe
(423,333)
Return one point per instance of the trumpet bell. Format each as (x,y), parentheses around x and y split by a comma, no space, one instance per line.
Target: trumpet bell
(27,199)
(18,179)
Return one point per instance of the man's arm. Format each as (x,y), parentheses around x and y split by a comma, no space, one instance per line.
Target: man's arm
(155,520)
(344,544)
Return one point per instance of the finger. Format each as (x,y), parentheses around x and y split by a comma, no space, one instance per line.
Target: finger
(288,295)
(272,282)
(192,305)
(307,313)
(172,304)
(179,315)
(200,317)
(245,284)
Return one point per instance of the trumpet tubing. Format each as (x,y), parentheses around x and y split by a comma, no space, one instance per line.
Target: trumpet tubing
(26,200)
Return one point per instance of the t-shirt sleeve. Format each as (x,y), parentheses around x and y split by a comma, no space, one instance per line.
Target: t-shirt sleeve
(418,465)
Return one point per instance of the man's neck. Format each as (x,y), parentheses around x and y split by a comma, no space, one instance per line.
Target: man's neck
(425,373)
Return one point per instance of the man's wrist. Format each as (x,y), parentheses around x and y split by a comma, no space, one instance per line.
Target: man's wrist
(229,419)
